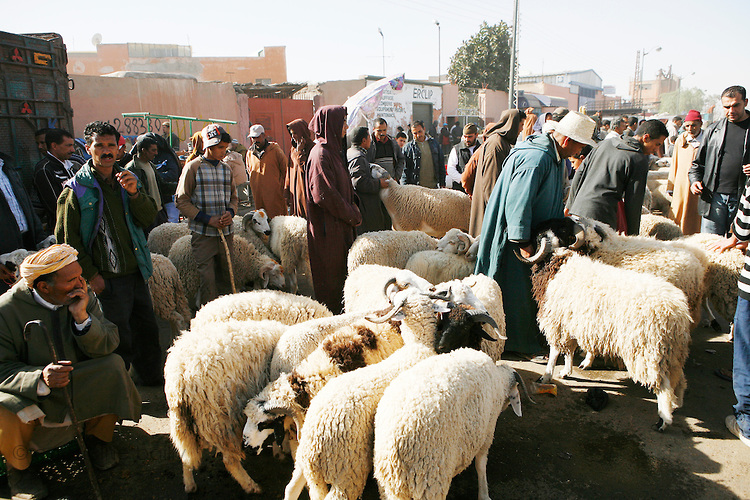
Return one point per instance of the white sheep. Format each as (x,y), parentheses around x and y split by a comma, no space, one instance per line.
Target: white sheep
(659,227)
(638,317)
(387,248)
(167,294)
(335,445)
(363,288)
(436,266)
(254,227)
(471,254)
(434,211)
(289,241)
(456,242)
(162,237)
(209,375)
(435,418)
(258,305)
(248,266)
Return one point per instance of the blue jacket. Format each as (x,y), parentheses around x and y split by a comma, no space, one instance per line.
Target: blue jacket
(414,161)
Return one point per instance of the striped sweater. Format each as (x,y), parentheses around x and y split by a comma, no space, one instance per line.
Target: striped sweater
(741,229)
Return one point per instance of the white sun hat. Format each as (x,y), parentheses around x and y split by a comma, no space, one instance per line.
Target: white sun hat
(578,127)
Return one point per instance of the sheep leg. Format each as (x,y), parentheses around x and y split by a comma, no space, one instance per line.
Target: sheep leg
(188,479)
(587,362)
(480,463)
(295,486)
(234,466)
(549,372)
(664,397)
(568,370)
(290,275)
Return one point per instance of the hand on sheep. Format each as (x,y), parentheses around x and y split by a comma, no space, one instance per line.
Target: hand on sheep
(724,244)
(57,375)
(6,274)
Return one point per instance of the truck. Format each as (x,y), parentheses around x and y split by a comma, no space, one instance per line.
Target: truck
(34,94)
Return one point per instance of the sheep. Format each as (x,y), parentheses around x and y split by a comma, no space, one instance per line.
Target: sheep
(254,227)
(456,242)
(335,445)
(289,241)
(167,294)
(15,258)
(722,273)
(248,266)
(682,265)
(471,253)
(657,187)
(659,227)
(363,288)
(387,248)
(433,211)
(435,418)
(162,237)
(638,317)
(259,305)
(209,374)
(436,266)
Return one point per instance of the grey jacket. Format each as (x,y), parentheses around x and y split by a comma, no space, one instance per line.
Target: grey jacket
(399,161)
(374,215)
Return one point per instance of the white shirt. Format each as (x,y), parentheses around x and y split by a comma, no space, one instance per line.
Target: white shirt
(452,173)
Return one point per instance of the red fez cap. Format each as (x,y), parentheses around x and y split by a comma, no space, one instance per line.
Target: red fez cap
(693,116)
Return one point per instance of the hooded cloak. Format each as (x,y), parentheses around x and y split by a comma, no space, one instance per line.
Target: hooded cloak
(294,188)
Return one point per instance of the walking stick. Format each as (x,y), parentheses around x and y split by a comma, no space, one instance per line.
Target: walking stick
(229,260)
(66,391)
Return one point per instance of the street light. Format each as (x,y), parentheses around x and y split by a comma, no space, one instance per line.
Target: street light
(383,37)
(437,23)
(640,85)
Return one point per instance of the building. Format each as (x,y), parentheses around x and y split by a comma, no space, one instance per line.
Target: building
(579,88)
(269,66)
(652,90)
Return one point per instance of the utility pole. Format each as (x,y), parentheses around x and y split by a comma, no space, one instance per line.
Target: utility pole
(383,37)
(440,78)
(512,102)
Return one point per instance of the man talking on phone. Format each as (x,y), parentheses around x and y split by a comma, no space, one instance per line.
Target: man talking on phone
(51,303)
(102,212)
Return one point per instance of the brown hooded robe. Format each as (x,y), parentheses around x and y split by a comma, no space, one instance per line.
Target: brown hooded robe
(294,188)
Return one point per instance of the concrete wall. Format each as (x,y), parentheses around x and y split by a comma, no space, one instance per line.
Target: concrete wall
(269,65)
(106,98)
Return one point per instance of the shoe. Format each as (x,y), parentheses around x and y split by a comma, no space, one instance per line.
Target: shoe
(734,428)
(26,485)
(723,374)
(103,455)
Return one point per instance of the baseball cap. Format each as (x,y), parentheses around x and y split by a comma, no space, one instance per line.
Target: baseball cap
(256,130)
(211,135)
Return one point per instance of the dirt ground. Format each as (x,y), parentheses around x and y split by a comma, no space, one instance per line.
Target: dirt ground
(560,448)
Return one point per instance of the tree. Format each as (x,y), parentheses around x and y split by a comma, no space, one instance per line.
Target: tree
(680,101)
(484,60)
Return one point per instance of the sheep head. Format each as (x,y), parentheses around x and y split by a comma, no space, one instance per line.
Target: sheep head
(462,327)
(455,241)
(256,220)
(272,276)
(554,234)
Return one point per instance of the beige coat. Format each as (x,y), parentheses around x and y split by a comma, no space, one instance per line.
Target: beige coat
(267,178)
(684,207)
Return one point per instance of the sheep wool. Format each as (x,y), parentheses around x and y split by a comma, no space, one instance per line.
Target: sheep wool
(167,294)
(387,248)
(363,288)
(436,266)
(289,241)
(209,374)
(258,305)
(659,227)
(253,227)
(162,237)
(435,418)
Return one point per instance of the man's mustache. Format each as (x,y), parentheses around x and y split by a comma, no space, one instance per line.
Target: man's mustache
(107,155)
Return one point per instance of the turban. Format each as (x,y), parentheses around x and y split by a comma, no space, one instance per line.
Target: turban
(47,261)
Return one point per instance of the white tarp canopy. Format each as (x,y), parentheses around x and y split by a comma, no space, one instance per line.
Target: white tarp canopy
(364,103)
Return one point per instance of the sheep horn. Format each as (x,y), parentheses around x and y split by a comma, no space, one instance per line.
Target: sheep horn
(523,385)
(482,317)
(544,249)
(377,318)
(580,237)
(247,220)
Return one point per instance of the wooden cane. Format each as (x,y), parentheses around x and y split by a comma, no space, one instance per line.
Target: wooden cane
(229,260)
(69,402)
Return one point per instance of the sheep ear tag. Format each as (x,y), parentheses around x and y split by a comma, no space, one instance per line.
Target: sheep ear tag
(515,401)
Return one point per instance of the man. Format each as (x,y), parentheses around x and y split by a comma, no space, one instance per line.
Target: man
(632,127)
(617,127)
(456,133)
(385,151)
(401,140)
(445,139)
(56,167)
(172,139)
(604,130)
(207,195)
(424,160)
(374,215)
(33,410)
(102,213)
(146,149)
(684,207)
(40,138)
(460,155)
(673,127)
(528,191)
(615,170)
(266,167)
(721,165)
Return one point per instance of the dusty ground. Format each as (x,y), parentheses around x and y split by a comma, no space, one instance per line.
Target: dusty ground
(560,448)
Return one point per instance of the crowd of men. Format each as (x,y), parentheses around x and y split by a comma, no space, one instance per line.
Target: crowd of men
(89,289)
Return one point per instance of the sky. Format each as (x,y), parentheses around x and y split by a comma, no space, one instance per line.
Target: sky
(339,40)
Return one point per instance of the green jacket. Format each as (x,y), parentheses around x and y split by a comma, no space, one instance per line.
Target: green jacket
(79,215)
(99,383)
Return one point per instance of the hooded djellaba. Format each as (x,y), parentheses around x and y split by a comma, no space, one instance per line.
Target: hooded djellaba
(332,212)
(294,187)
(490,157)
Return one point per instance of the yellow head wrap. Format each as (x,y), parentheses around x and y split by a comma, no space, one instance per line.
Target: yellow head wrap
(47,261)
